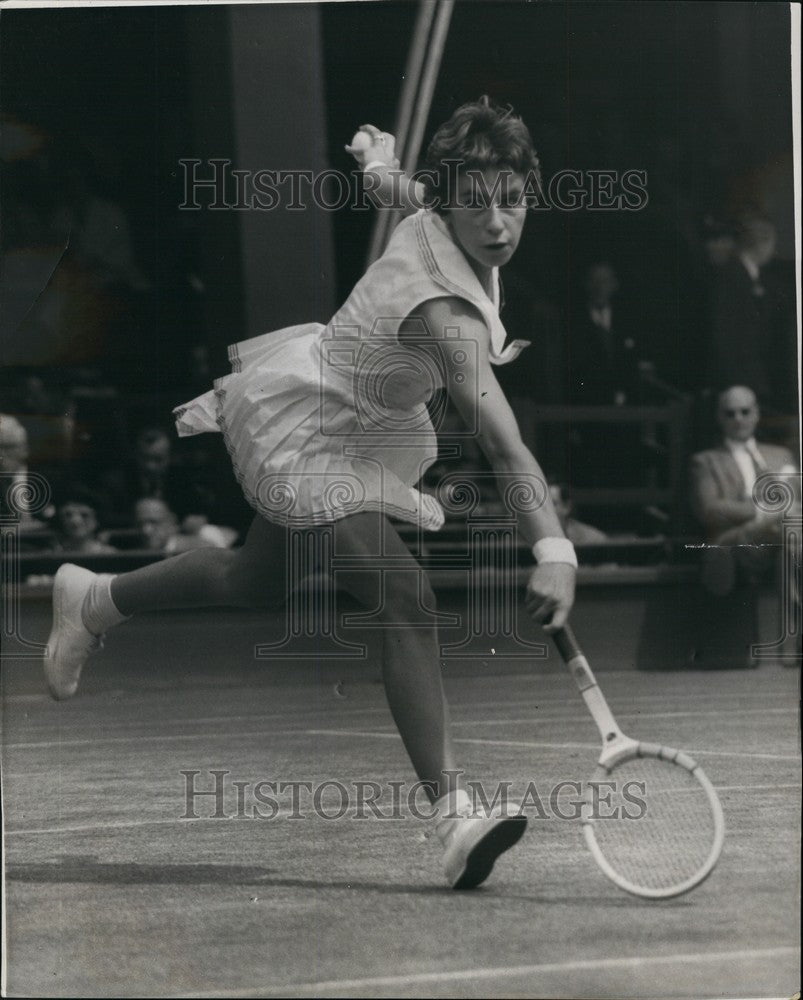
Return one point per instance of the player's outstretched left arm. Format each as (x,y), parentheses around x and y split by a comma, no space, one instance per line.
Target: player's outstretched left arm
(479,399)
(386,184)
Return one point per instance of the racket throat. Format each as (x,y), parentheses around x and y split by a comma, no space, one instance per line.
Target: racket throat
(612,736)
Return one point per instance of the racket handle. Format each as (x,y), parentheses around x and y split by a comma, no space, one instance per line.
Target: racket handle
(567,644)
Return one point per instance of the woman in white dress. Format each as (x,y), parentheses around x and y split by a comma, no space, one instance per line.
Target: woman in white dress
(328,425)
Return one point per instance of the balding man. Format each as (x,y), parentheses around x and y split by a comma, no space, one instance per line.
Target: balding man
(722,478)
(744,540)
(161,531)
(14,479)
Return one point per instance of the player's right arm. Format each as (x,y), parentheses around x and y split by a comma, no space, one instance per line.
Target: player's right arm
(386,185)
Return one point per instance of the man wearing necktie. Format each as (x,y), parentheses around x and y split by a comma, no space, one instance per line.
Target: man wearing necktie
(744,540)
(602,360)
(602,369)
(751,338)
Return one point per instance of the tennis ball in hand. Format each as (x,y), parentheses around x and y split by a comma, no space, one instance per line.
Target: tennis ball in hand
(361,141)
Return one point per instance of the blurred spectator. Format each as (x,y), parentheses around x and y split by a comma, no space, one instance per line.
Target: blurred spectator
(48,415)
(13,445)
(576,531)
(723,477)
(156,522)
(752,337)
(77,525)
(719,243)
(14,453)
(603,355)
(603,368)
(193,477)
(712,247)
(537,376)
(151,472)
(161,532)
(745,541)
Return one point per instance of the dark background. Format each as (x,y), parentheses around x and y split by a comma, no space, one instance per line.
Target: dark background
(696,94)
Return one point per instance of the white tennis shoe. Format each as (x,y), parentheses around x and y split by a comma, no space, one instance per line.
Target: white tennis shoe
(472,841)
(70,642)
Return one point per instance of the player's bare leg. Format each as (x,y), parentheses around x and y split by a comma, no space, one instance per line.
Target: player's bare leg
(86,605)
(404,606)
(250,576)
(414,689)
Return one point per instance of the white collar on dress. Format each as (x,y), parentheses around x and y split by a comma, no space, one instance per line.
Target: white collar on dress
(448,266)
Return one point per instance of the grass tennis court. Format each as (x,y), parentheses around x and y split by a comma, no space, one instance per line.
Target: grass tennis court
(109,892)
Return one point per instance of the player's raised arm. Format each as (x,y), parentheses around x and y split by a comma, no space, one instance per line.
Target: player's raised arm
(479,399)
(386,184)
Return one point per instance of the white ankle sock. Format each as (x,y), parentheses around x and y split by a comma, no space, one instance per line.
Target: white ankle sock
(99,612)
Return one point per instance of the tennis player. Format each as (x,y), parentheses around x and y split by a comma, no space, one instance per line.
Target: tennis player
(316,439)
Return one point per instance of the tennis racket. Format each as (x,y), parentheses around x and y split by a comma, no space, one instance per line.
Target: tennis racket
(651,818)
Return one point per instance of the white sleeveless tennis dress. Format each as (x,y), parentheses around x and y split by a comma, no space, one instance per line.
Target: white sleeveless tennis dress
(303,414)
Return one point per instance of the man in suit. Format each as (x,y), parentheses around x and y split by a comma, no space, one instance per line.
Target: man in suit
(744,540)
(602,369)
(752,339)
(602,362)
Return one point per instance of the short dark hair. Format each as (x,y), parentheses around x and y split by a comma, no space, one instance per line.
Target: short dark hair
(479,135)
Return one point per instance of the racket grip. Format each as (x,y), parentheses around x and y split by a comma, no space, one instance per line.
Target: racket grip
(567,644)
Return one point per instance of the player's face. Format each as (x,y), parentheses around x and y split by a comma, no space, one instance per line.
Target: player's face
(489,216)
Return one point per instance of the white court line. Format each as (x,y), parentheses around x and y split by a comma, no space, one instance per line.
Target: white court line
(161,738)
(389,734)
(697,753)
(507,971)
(533,719)
(125,825)
(281,814)
(758,788)
(618,703)
(531,744)
(791,712)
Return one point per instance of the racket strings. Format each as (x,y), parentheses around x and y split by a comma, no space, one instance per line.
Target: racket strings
(653,822)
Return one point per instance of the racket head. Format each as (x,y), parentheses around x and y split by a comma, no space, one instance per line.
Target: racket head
(660,834)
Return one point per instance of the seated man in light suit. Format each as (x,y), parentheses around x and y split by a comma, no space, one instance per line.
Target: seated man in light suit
(744,539)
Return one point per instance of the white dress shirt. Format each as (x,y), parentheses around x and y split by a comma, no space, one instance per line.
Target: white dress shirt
(748,458)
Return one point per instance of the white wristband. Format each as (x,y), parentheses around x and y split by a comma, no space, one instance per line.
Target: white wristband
(555,550)
(376,163)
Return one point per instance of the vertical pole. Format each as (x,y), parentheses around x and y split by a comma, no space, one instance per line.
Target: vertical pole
(428,81)
(421,74)
(414,69)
